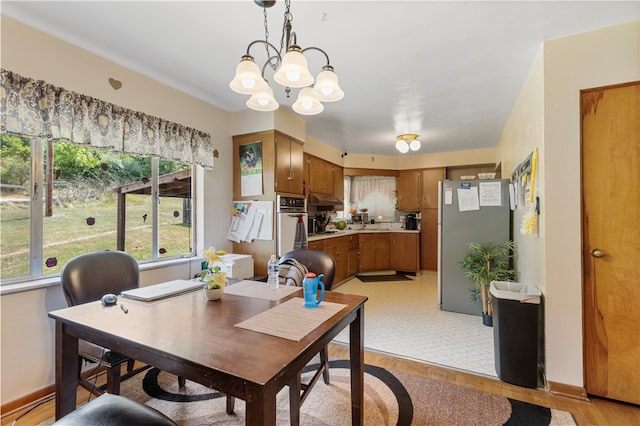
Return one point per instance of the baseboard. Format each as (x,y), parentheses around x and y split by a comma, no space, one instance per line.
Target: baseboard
(27,401)
(34,398)
(568,391)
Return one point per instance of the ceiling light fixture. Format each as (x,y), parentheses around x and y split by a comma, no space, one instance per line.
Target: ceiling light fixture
(407,141)
(290,70)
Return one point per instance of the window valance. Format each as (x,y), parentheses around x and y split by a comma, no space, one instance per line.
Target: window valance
(38,109)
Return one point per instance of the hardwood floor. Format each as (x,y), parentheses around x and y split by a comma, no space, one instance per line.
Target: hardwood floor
(597,411)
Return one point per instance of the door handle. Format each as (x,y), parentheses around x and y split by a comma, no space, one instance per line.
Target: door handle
(597,253)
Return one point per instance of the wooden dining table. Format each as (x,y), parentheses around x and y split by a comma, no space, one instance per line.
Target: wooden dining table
(204,341)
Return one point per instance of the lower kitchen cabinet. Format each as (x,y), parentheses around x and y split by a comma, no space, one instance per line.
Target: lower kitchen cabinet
(405,249)
(316,245)
(429,239)
(339,249)
(354,255)
(375,252)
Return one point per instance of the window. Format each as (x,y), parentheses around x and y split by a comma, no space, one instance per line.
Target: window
(377,194)
(59,200)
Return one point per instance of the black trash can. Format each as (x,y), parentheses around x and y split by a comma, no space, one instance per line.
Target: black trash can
(516,332)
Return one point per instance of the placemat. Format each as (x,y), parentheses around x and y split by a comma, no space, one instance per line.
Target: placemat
(290,320)
(259,290)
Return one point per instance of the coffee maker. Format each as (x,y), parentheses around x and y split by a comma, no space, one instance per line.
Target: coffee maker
(410,222)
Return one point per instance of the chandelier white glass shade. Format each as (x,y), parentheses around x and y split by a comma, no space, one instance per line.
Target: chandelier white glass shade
(327,88)
(307,104)
(294,71)
(263,101)
(248,79)
(406,142)
(290,70)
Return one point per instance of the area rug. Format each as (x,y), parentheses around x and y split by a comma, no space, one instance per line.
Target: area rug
(398,276)
(391,398)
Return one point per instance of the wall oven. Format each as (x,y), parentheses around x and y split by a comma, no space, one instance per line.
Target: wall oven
(289,211)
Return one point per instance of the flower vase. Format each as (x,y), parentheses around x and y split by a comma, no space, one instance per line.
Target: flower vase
(213,294)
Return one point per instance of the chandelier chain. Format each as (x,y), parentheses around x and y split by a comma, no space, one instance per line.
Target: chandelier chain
(288,17)
(266,30)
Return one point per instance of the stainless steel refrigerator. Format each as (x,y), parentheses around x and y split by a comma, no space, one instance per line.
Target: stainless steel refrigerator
(468,211)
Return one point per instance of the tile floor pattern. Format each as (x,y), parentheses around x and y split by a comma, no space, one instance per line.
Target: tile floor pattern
(404,318)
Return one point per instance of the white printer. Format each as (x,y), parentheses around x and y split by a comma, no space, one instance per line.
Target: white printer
(237,265)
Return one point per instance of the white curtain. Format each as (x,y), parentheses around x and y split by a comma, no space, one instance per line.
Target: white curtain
(375,193)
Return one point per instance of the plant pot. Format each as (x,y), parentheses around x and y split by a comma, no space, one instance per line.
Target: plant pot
(487,320)
(213,294)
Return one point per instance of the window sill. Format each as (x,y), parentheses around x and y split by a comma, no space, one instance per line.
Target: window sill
(36,284)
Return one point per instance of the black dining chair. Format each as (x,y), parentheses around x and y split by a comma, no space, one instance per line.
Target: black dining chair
(319,262)
(86,278)
(115,410)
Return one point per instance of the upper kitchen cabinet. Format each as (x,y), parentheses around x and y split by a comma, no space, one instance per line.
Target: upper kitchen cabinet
(325,183)
(281,158)
(320,175)
(429,187)
(418,189)
(338,185)
(409,190)
(289,175)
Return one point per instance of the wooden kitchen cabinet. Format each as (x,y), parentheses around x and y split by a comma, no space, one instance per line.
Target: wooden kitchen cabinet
(418,189)
(405,250)
(409,190)
(338,184)
(429,186)
(316,245)
(289,165)
(429,239)
(429,221)
(338,247)
(375,252)
(320,175)
(354,255)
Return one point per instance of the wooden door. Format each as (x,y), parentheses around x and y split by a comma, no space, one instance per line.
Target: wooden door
(296,164)
(430,178)
(338,184)
(383,251)
(367,253)
(289,165)
(429,240)
(611,240)
(354,255)
(405,249)
(320,176)
(409,190)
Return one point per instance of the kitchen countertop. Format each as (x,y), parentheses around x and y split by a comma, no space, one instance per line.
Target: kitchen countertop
(337,233)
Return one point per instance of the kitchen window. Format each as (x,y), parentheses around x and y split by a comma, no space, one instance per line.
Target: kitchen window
(377,194)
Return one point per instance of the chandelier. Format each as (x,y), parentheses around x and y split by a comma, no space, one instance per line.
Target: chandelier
(290,71)
(407,141)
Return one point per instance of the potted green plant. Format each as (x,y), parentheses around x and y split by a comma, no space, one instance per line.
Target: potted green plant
(484,263)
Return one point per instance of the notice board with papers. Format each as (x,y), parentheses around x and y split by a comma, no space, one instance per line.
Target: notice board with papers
(251,220)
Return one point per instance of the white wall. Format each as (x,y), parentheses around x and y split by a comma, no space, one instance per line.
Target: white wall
(523,133)
(27,333)
(593,59)
(547,115)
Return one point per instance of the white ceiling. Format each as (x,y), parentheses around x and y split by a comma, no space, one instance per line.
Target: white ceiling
(449,70)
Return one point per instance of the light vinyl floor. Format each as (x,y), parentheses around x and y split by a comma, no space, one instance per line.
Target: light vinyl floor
(403,318)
